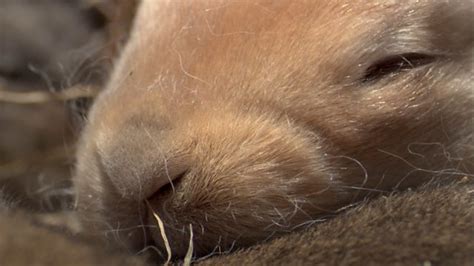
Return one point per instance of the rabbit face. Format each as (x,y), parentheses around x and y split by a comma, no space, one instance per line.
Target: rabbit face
(251,119)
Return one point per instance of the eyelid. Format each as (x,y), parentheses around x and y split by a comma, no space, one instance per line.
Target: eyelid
(395,64)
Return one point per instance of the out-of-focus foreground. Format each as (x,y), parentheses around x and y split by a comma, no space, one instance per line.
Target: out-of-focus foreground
(53,56)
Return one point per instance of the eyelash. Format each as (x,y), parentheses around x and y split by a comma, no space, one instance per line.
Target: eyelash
(395,64)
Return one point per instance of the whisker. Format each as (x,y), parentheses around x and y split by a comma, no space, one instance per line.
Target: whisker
(163,233)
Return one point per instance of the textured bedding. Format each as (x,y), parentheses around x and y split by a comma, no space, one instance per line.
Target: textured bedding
(430,226)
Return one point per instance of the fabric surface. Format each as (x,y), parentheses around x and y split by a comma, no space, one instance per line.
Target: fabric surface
(430,226)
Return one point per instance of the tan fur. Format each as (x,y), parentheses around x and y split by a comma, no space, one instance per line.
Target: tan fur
(260,115)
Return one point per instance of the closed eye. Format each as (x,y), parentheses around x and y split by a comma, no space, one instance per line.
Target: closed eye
(395,64)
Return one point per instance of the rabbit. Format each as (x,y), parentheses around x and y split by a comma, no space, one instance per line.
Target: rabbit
(227,123)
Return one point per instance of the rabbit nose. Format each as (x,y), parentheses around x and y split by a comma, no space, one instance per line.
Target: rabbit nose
(138,164)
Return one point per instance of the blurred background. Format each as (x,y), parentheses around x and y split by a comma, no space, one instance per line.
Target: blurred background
(55,55)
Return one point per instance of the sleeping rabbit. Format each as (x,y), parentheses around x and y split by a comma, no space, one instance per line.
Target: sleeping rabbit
(240,121)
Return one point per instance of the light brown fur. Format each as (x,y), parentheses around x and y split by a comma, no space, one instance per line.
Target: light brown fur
(265,115)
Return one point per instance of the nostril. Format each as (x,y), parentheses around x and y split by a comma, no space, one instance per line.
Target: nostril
(141,180)
(139,164)
(170,187)
(166,178)
(173,181)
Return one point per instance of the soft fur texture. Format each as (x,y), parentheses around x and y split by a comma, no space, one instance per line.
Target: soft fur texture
(269,117)
(248,120)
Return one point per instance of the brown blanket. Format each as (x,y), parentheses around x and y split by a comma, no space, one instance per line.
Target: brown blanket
(433,226)
(430,226)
